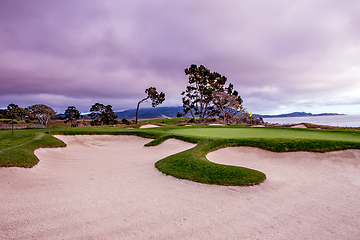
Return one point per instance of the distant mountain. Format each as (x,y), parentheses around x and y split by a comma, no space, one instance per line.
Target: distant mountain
(295,114)
(171,112)
(156,112)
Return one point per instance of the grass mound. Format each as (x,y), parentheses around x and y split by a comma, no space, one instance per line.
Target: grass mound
(192,165)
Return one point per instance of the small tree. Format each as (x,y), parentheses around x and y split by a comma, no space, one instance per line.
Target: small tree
(156,99)
(71,114)
(42,112)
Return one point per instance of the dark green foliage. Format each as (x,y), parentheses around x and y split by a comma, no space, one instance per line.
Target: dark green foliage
(13,111)
(71,114)
(125,121)
(203,86)
(102,114)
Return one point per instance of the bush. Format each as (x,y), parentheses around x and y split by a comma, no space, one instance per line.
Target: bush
(125,121)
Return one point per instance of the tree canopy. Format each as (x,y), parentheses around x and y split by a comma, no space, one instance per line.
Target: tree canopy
(102,113)
(227,103)
(15,112)
(42,112)
(71,114)
(203,86)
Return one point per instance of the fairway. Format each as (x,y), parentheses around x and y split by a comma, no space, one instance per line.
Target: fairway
(221,132)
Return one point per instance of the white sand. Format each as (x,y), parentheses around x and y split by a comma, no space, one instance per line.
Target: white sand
(106,187)
(299,126)
(149,126)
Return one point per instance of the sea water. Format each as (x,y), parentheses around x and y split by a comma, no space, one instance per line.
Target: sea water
(331,120)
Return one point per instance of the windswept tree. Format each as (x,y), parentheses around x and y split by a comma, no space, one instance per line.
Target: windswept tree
(42,112)
(197,98)
(71,114)
(155,97)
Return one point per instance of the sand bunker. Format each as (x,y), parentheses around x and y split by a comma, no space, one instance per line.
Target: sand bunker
(106,187)
(149,126)
(299,126)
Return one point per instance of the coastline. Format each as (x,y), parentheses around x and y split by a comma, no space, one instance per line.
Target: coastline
(329,120)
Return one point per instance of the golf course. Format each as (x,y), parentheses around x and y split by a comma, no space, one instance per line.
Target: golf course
(17,149)
(158,181)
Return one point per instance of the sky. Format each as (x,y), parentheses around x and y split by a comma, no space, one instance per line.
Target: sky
(281,55)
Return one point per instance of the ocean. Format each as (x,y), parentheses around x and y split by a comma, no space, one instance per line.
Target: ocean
(332,120)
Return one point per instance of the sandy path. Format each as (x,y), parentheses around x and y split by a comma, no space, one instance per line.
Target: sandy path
(106,187)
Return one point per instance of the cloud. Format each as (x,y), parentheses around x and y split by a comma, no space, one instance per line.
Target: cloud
(278,54)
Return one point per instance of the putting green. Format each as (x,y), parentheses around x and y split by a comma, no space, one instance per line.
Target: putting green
(221,132)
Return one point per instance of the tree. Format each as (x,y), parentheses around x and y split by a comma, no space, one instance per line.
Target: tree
(3,113)
(108,115)
(197,98)
(71,114)
(13,111)
(96,111)
(156,99)
(102,113)
(227,102)
(42,112)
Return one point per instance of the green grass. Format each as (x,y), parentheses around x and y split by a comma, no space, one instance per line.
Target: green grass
(17,149)
(166,121)
(193,165)
(289,133)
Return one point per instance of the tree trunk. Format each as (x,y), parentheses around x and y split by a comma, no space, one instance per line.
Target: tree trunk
(137,109)
(192,114)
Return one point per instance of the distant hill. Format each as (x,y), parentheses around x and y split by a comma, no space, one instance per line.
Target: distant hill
(295,114)
(171,112)
(156,112)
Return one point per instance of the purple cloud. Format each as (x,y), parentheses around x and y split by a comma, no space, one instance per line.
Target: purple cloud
(280,55)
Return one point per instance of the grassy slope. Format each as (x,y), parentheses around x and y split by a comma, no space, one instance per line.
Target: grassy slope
(192,164)
(17,150)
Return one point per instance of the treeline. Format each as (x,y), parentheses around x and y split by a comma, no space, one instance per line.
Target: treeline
(206,96)
(100,114)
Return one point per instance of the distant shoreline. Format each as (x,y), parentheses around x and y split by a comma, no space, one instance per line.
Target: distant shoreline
(297,114)
(339,120)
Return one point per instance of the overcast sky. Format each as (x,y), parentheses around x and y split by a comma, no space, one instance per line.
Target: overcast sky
(281,55)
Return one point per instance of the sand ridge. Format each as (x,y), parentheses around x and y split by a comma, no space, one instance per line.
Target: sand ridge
(106,187)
